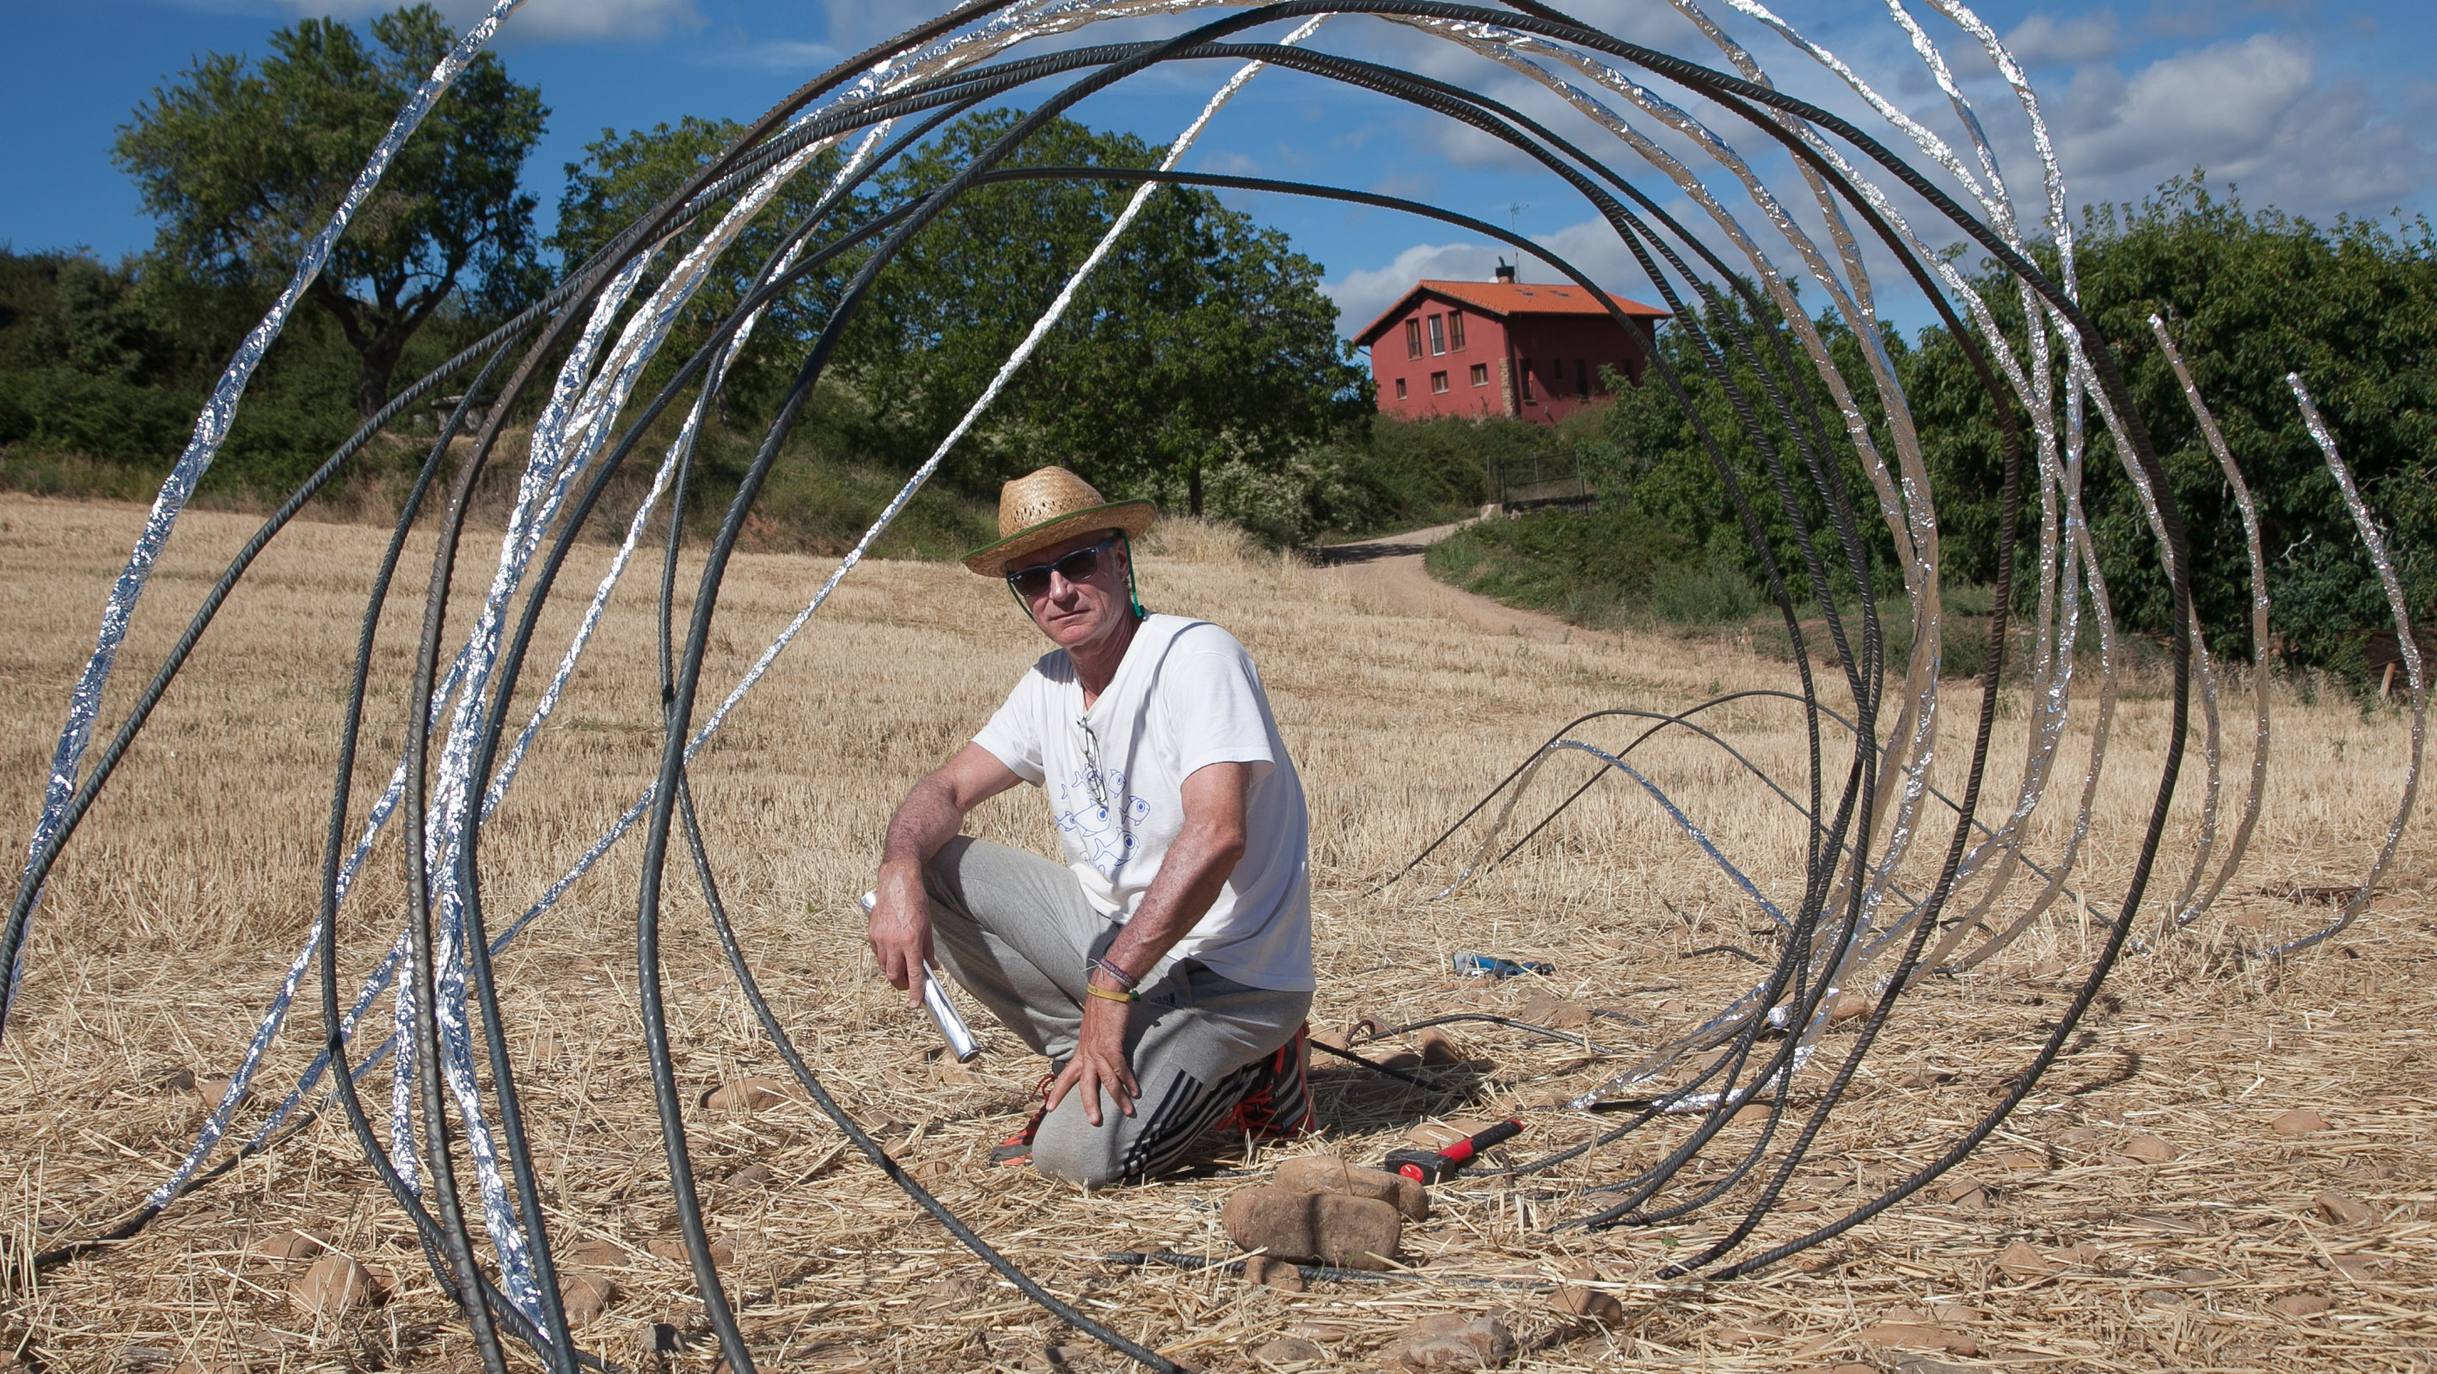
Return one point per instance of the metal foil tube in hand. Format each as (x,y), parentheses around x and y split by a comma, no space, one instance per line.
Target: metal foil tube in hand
(951,1023)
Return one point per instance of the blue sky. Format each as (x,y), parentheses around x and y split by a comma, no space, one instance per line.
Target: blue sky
(2317,108)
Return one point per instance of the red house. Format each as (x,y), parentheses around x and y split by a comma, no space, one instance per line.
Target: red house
(1503,347)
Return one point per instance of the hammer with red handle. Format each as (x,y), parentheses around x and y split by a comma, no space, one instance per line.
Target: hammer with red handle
(1430,1166)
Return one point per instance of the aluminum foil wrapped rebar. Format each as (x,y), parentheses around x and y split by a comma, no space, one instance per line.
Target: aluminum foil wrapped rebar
(1903,878)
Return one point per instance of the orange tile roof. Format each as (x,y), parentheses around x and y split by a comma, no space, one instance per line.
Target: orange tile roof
(1513,298)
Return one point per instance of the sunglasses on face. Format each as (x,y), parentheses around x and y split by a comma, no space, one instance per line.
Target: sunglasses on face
(1074,567)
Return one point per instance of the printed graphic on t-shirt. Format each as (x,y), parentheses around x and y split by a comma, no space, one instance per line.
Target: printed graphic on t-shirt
(1100,818)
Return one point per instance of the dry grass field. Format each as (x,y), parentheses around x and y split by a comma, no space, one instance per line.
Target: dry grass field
(2139,1212)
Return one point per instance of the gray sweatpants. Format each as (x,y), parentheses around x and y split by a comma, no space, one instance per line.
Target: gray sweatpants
(1014,929)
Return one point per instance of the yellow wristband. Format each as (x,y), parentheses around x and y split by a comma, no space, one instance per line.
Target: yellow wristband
(1092,989)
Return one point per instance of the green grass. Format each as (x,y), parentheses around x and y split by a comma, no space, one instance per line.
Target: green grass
(1613,569)
(26,468)
(1605,568)
(811,506)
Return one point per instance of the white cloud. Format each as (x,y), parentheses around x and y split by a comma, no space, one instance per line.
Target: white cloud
(2042,40)
(2255,112)
(850,26)
(605,18)
(1230,162)
(1363,293)
(1594,249)
(2221,99)
(785,55)
(544,19)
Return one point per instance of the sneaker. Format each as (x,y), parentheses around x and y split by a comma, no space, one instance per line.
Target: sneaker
(1017,1148)
(1278,1105)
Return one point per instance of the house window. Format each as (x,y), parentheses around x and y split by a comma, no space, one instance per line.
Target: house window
(1438,334)
(1413,338)
(1523,371)
(1582,377)
(1455,330)
(1480,374)
(1400,388)
(1438,382)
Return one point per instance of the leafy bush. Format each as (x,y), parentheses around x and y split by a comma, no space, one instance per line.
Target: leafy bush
(62,410)
(1395,475)
(813,506)
(1606,567)
(1711,590)
(2248,296)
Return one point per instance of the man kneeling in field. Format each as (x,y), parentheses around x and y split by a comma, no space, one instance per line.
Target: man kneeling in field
(1167,965)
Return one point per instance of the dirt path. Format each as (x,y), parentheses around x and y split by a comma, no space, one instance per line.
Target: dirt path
(1387,575)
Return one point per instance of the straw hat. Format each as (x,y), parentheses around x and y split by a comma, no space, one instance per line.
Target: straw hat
(1045,507)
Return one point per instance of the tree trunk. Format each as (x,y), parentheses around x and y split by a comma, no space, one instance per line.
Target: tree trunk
(1193,488)
(380,359)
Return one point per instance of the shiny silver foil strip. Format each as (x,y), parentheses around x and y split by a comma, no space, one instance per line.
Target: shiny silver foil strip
(2374,541)
(1909,764)
(2193,908)
(2053,717)
(2077,548)
(2065,555)
(1909,514)
(1909,517)
(211,429)
(2050,668)
(553,448)
(1935,61)
(2050,683)
(2049,674)
(2078,379)
(574,426)
(216,1125)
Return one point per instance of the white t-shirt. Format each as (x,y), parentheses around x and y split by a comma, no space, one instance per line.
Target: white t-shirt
(1186,696)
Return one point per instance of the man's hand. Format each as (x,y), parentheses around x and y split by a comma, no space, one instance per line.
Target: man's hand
(1203,854)
(901,929)
(1099,1062)
(925,821)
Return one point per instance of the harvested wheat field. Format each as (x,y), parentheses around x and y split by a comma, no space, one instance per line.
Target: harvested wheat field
(2229,1169)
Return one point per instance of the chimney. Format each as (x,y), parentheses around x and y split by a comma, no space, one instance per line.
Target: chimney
(1506,271)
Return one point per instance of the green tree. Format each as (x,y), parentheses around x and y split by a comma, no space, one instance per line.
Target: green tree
(102,370)
(2249,297)
(1202,343)
(623,177)
(1652,458)
(80,362)
(1200,357)
(243,166)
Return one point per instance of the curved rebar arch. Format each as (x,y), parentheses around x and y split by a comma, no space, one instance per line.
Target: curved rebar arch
(1857,842)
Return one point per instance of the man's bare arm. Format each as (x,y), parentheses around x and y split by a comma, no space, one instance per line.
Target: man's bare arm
(932,813)
(1198,864)
(1199,861)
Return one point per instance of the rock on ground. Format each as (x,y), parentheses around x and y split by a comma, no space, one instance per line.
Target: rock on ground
(1329,1174)
(1331,1228)
(1450,1341)
(334,1285)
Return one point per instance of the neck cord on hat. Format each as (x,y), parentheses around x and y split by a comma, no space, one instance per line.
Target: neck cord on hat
(1134,598)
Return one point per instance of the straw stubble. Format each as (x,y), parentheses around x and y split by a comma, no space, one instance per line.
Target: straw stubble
(2165,1147)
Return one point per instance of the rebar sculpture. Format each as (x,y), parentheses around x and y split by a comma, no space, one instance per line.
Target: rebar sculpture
(1852,925)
